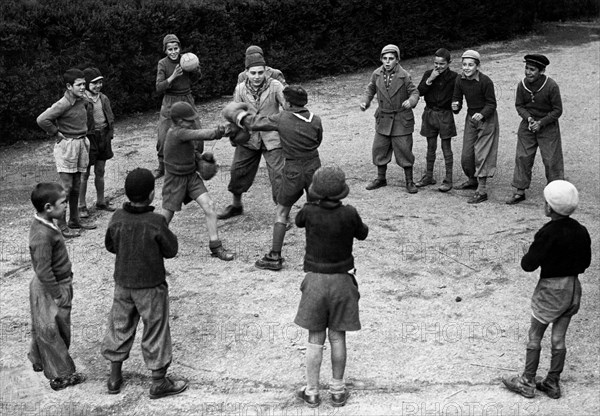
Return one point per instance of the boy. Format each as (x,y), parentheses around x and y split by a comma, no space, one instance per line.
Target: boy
(301,134)
(539,104)
(51,290)
(329,290)
(182,183)
(100,141)
(176,85)
(482,131)
(437,86)
(562,248)
(266,96)
(68,122)
(394,118)
(269,72)
(141,240)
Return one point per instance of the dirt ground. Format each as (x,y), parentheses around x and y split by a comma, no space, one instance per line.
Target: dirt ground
(444,306)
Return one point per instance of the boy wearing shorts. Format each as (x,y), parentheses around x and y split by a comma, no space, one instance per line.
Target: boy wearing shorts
(182,183)
(68,122)
(562,249)
(329,291)
(437,86)
(141,240)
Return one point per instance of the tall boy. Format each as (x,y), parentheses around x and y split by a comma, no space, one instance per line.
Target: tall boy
(269,72)
(68,122)
(51,290)
(539,104)
(437,86)
(301,134)
(182,183)
(141,239)
(394,117)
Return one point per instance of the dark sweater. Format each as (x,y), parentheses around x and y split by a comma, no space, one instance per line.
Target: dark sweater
(179,148)
(540,100)
(181,85)
(330,231)
(561,247)
(438,95)
(141,240)
(479,94)
(49,256)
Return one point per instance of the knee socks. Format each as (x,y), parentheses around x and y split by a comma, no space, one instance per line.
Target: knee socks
(448,159)
(381,171)
(532,361)
(557,363)
(482,185)
(278,237)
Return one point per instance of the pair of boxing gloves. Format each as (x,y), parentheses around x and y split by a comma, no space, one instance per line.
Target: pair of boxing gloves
(235,113)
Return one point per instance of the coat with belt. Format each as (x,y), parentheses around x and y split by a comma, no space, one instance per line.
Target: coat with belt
(390,117)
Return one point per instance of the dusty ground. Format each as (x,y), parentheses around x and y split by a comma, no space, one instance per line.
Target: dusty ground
(421,351)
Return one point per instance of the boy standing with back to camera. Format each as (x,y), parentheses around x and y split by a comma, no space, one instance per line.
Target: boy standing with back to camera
(562,249)
(394,117)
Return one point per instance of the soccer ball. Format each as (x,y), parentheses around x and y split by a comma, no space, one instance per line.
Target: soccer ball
(189,62)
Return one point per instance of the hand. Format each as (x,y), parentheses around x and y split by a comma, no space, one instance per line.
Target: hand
(434,74)
(220,131)
(230,129)
(176,74)
(363,106)
(535,126)
(59,137)
(455,106)
(406,104)
(477,117)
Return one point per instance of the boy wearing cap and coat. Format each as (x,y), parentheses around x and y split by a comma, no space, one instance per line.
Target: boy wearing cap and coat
(329,290)
(269,72)
(394,118)
(539,104)
(437,86)
(176,85)
(265,95)
(562,249)
(482,130)
(141,240)
(100,141)
(301,133)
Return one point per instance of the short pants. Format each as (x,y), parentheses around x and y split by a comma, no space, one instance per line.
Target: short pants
(438,122)
(177,187)
(556,297)
(100,145)
(72,155)
(295,179)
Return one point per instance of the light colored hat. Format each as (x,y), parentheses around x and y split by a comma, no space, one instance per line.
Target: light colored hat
(471,54)
(562,196)
(390,49)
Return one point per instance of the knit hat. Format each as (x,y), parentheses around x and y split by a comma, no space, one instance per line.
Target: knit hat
(255,59)
(254,49)
(471,54)
(295,95)
(444,53)
(562,196)
(390,49)
(329,182)
(139,183)
(91,75)
(539,61)
(168,39)
(184,111)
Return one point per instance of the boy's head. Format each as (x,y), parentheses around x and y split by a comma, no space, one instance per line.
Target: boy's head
(93,80)
(171,46)
(183,111)
(441,60)
(255,68)
(49,197)
(470,63)
(535,66)
(329,182)
(295,95)
(561,197)
(74,79)
(139,185)
(390,55)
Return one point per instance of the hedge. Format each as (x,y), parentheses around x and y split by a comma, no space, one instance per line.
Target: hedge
(40,39)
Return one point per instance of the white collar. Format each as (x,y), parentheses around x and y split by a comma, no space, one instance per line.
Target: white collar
(308,120)
(46,222)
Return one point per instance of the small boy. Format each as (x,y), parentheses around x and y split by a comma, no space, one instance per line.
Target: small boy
(182,183)
(100,141)
(562,248)
(176,85)
(437,86)
(394,117)
(329,290)
(301,134)
(482,131)
(68,121)
(269,72)
(51,290)
(539,104)
(141,239)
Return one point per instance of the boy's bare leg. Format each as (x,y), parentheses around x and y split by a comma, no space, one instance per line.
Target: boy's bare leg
(83,188)
(168,214)
(99,169)
(215,245)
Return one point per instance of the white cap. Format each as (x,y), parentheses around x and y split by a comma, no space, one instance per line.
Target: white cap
(562,196)
(471,54)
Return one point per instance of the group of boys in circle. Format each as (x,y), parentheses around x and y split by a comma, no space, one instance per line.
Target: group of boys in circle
(269,118)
